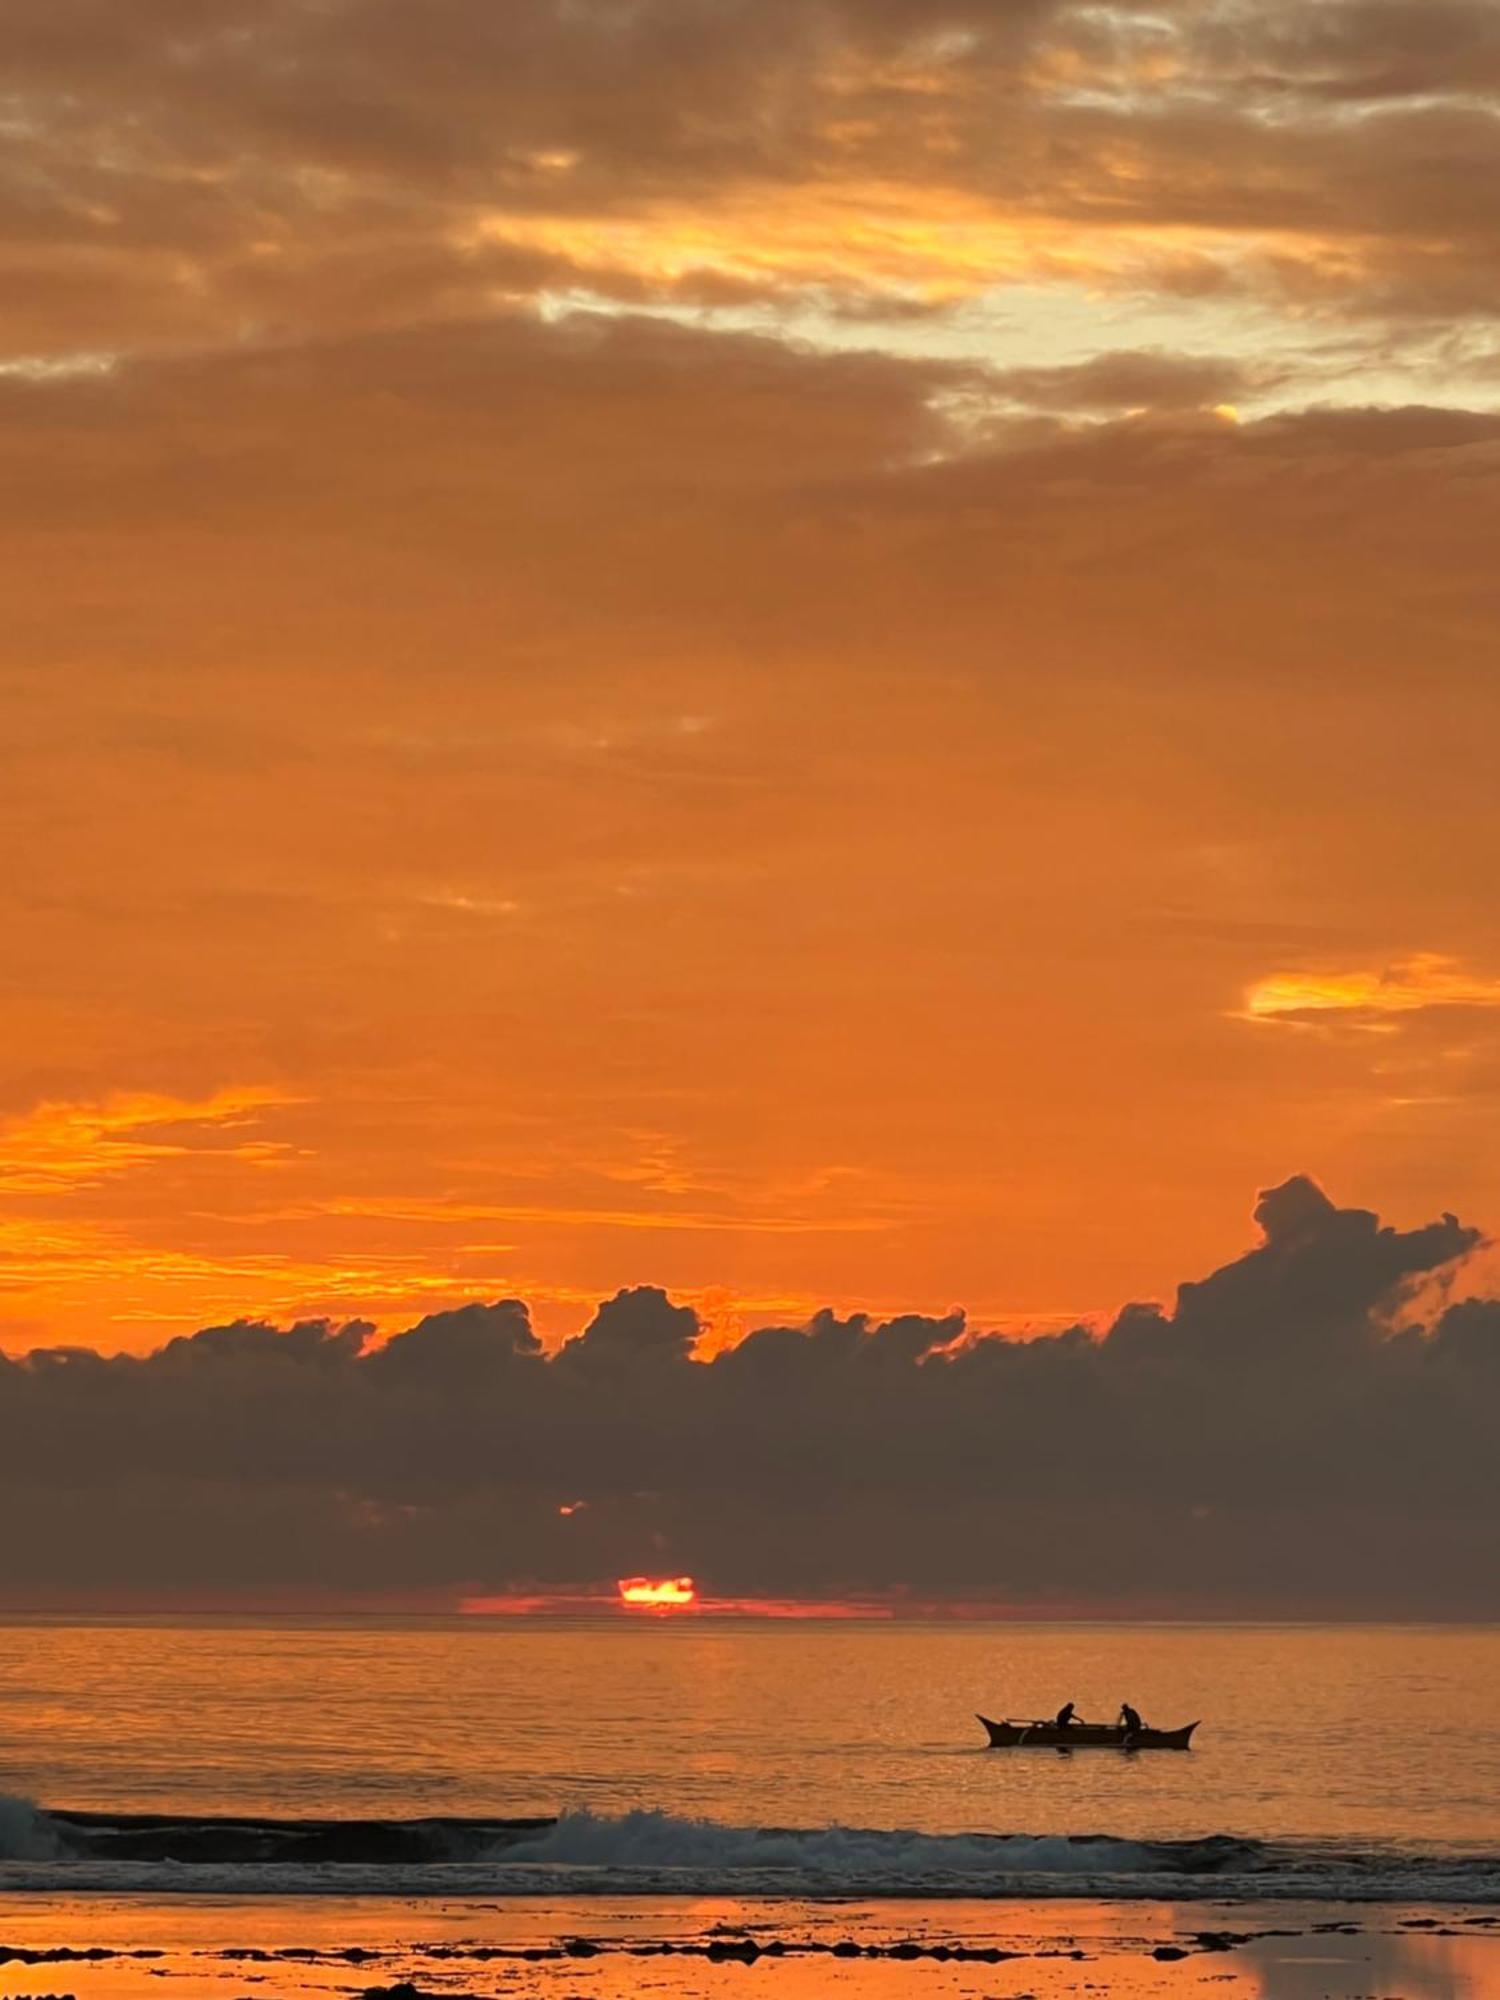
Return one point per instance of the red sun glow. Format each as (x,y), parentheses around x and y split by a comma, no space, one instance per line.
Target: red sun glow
(658,1593)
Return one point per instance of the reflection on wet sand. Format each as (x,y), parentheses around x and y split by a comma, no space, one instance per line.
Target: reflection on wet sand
(102,1949)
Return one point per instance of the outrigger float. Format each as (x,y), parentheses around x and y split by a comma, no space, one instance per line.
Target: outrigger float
(1011,1735)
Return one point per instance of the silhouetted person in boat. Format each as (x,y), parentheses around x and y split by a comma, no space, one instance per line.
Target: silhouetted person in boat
(1130,1722)
(1064,1717)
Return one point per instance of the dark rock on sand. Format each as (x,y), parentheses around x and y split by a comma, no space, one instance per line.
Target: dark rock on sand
(64,1954)
(744,1951)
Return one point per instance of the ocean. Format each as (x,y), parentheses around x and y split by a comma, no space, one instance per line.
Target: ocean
(808,1785)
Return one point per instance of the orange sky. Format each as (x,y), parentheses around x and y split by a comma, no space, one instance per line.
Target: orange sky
(816,653)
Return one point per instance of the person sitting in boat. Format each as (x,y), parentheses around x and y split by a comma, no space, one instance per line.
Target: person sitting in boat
(1130,1721)
(1064,1718)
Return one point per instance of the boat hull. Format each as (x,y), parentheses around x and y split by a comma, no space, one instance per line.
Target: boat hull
(1084,1736)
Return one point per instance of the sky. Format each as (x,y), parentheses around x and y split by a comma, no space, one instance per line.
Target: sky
(825,654)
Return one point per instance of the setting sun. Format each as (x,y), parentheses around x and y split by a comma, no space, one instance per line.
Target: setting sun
(666,1593)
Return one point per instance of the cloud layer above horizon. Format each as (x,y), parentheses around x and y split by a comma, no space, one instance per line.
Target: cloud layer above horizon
(1314,1428)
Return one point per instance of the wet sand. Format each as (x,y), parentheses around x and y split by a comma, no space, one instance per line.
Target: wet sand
(99,1948)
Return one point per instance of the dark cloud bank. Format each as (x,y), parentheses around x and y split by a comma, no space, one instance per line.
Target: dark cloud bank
(1287,1439)
(193,174)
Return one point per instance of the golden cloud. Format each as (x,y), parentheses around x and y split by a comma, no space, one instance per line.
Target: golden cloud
(61,1145)
(1410,986)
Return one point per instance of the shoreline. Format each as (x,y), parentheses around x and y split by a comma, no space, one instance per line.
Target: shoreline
(487,1887)
(111,1947)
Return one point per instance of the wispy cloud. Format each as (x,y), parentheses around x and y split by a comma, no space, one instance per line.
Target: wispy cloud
(57,1146)
(440,1209)
(1409,986)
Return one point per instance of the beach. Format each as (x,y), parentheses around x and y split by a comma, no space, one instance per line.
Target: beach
(702,1948)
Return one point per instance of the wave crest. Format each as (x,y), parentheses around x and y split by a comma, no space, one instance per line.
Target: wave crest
(658,1840)
(26,1832)
(646,1853)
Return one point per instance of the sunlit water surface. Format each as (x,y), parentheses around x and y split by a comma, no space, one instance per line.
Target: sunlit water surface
(1381,1735)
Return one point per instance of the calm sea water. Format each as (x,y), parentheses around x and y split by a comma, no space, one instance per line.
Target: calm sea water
(1338,1735)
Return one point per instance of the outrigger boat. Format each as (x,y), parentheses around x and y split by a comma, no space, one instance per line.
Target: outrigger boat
(1011,1735)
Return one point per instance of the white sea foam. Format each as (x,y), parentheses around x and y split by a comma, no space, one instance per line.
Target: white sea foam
(26,1833)
(657,1840)
(648,1853)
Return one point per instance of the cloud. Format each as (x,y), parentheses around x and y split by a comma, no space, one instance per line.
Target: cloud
(62,1146)
(1415,985)
(1127,380)
(304,168)
(1365,50)
(727,497)
(1283,1438)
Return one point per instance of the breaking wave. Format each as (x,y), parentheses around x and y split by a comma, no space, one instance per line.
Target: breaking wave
(657,1853)
(657,1840)
(26,1834)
